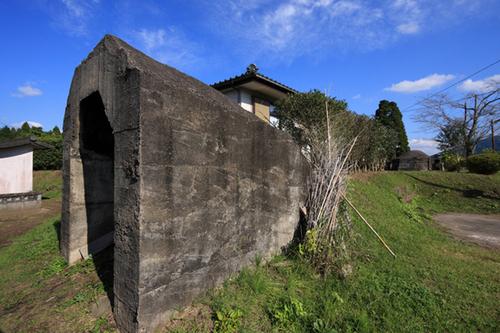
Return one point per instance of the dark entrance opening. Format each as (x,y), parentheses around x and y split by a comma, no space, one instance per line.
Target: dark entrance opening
(97,154)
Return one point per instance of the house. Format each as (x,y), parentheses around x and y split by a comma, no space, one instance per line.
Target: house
(16,172)
(437,161)
(414,160)
(255,92)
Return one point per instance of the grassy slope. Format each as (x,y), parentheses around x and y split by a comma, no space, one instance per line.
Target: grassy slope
(435,284)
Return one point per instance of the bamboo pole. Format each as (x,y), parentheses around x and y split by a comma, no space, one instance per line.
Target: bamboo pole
(369,226)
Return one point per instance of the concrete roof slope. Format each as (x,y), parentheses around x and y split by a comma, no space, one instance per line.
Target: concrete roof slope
(166,78)
(170,77)
(28,141)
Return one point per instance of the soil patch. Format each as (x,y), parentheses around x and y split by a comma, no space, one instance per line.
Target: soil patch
(483,230)
(15,222)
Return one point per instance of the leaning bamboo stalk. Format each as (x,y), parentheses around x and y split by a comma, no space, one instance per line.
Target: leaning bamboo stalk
(369,226)
(328,131)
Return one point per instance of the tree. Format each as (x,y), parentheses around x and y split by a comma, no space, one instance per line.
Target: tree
(56,130)
(473,112)
(25,127)
(389,115)
(451,137)
(304,117)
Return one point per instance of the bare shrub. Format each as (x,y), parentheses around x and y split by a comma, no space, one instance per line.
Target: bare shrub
(328,222)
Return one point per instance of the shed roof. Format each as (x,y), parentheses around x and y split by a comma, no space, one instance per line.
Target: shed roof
(254,80)
(28,141)
(413,154)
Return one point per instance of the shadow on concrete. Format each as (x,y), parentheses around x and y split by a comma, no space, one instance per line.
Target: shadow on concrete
(468,193)
(97,154)
(103,263)
(298,236)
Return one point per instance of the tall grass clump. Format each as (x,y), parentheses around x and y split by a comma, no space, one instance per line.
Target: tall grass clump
(328,222)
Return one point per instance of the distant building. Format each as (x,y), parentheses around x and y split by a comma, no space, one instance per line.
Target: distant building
(16,171)
(414,160)
(437,162)
(255,92)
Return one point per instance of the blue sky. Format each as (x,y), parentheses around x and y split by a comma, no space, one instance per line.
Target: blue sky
(360,51)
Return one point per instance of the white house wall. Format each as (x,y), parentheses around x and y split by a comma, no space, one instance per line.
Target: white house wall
(242,97)
(232,95)
(246,100)
(16,170)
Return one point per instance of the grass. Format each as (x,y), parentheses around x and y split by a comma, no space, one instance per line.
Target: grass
(49,183)
(36,283)
(38,291)
(436,283)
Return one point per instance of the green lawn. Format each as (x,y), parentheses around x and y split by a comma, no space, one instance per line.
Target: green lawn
(435,284)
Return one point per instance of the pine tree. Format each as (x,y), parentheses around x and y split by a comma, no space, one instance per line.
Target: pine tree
(389,115)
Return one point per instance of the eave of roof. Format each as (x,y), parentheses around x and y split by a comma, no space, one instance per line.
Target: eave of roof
(29,141)
(250,76)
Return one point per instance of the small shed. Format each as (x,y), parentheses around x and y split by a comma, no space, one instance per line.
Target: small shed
(414,160)
(16,172)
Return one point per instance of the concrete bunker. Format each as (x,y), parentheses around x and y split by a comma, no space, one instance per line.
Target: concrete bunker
(187,185)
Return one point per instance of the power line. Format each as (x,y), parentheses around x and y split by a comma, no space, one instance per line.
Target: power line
(454,84)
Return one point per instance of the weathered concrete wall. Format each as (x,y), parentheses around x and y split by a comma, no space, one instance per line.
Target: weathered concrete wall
(219,187)
(200,186)
(16,170)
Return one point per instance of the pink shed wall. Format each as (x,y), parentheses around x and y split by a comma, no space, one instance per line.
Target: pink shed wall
(16,170)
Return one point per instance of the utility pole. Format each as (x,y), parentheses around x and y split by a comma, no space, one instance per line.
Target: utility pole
(493,122)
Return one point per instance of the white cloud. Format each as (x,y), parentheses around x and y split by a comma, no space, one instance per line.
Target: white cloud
(31,123)
(483,85)
(409,28)
(291,28)
(168,46)
(428,146)
(73,16)
(74,7)
(407,16)
(27,90)
(423,84)
(151,39)
(357,96)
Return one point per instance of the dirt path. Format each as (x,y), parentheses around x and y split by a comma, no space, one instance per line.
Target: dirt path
(480,229)
(15,222)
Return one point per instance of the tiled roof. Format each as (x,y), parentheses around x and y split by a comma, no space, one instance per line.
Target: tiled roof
(31,140)
(252,73)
